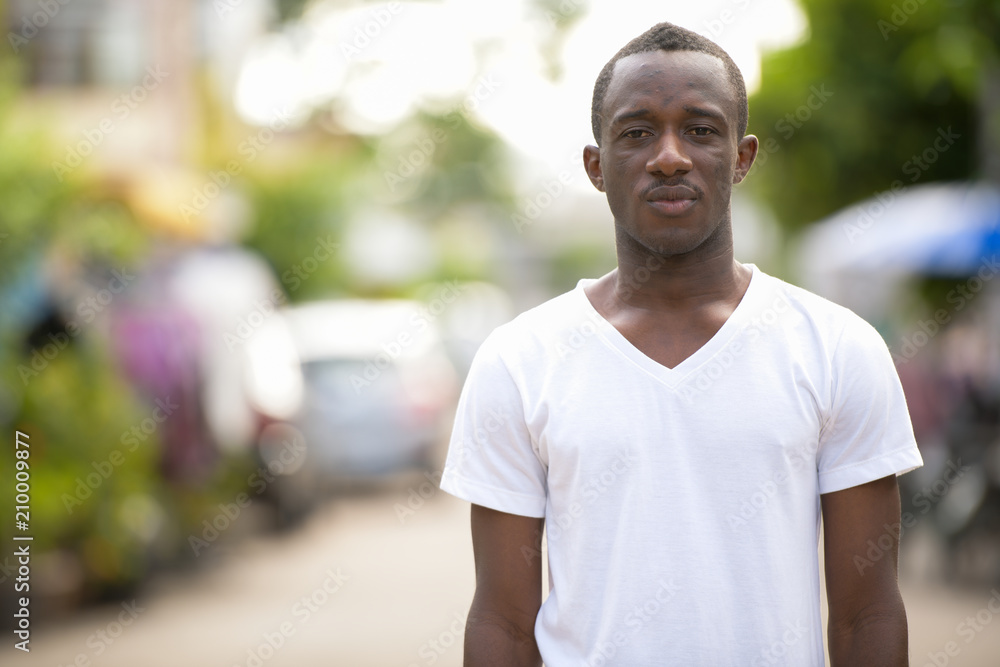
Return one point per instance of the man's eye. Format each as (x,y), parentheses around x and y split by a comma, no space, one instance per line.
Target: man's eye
(702,131)
(635,134)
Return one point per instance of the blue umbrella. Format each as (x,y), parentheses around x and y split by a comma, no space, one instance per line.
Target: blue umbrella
(950,229)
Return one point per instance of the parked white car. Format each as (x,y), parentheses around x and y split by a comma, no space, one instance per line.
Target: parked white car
(377,389)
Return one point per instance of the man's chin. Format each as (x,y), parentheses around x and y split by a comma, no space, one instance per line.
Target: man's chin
(672,243)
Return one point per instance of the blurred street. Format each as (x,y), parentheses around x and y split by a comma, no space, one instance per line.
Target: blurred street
(401,587)
(404,590)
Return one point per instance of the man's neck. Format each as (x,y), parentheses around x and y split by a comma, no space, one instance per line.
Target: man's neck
(648,281)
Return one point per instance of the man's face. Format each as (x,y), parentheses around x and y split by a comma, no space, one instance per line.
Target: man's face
(670,151)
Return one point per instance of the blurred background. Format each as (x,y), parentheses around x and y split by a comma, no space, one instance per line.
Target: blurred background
(249,247)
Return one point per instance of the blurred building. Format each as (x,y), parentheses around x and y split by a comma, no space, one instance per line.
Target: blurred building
(119,79)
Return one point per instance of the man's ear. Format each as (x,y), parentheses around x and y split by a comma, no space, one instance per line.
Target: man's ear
(746,153)
(592,163)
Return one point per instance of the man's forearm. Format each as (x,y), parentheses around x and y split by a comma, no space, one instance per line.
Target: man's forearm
(875,641)
(489,643)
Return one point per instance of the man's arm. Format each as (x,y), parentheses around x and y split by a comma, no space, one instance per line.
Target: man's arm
(501,626)
(867,623)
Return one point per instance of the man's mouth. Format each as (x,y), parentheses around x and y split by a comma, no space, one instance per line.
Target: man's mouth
(671,199)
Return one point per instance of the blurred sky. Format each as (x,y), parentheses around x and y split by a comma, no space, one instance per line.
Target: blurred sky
(375,63)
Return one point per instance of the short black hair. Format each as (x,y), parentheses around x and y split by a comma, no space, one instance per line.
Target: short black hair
(669,37)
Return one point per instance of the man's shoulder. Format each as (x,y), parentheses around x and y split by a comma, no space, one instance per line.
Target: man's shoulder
(821,316)
(550,317)
(545,326)
(808,302)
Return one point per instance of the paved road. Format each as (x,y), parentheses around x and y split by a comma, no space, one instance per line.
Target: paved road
(362,586)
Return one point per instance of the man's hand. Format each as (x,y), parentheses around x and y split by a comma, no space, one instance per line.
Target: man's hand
(867,624)
(501,626)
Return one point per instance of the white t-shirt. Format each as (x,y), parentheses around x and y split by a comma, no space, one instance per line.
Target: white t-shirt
(681,505)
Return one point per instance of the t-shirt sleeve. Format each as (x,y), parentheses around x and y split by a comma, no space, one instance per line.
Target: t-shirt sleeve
(492,460)
(868,434)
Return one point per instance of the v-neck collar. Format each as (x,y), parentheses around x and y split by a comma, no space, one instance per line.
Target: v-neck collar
(672,377)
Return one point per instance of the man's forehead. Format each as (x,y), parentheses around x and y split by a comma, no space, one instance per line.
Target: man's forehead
(655,71)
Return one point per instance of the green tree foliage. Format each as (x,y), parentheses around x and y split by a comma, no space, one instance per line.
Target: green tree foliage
(296,212)
(290,9)
(466,164)
(865,101)
(96,501)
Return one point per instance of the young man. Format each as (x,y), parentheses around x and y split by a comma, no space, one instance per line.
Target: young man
(679,426)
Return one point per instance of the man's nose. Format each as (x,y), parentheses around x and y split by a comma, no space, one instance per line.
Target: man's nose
(670,156)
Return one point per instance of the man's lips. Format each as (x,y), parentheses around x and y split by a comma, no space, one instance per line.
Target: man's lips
(671,193)
(671,199)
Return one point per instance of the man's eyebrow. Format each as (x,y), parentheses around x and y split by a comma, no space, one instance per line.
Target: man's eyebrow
(629,115)
(691,109)
(707,113)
